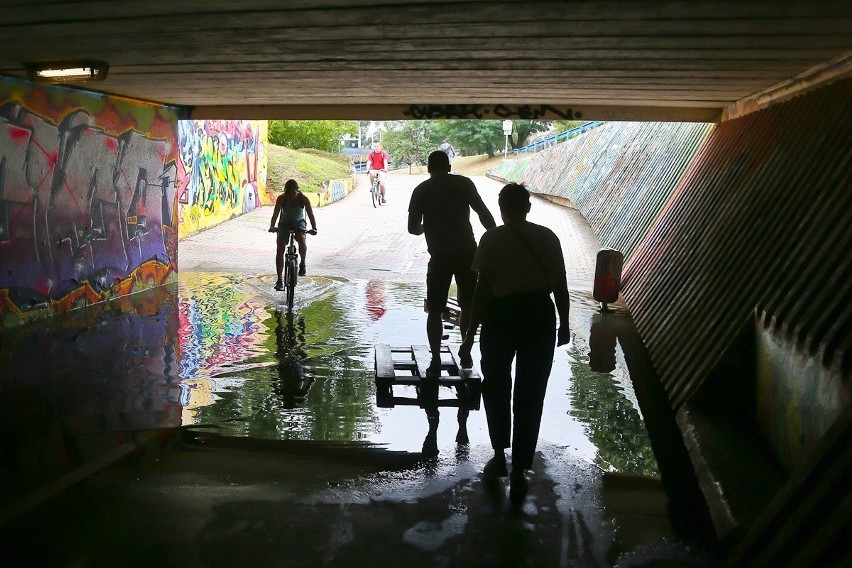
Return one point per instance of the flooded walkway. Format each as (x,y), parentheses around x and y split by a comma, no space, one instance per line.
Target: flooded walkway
(200,426)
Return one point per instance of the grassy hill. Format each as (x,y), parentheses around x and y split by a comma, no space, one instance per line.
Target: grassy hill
(311,167)
(307,166)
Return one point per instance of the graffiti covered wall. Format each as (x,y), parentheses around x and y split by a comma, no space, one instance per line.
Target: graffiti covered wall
(87,198)
(223,171)
(619,175)
(333,190)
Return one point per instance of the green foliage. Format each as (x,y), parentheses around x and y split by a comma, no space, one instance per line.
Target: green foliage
(308,167)
(473,136)
(320,134)
(409,141)
(486,136)
(342,159)
(523,129)
(563,125)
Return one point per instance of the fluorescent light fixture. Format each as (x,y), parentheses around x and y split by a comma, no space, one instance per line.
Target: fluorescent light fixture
(67,71)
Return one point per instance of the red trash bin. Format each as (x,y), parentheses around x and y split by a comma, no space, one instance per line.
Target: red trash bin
(607,276)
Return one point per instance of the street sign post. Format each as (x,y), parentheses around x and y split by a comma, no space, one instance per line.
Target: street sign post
(507,130)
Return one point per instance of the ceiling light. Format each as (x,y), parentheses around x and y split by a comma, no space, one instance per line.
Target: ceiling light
(67,71)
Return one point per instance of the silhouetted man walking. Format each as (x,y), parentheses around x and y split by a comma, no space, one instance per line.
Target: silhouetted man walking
(440,208)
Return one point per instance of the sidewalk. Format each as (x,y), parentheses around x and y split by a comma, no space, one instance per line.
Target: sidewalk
(357,241)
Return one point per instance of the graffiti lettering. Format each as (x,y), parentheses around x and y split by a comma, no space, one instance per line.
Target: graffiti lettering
(220,161)
(70,194)
(338,190)
(419,112)
(529,112)
(525,112)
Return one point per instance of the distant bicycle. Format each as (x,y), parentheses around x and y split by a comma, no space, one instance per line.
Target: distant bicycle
(376,190)
(291,268)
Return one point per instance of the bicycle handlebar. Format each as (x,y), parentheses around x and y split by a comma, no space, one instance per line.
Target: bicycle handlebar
(277,230)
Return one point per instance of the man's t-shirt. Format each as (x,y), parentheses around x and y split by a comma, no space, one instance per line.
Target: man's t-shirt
(515,269)
(445,201)
(377,160)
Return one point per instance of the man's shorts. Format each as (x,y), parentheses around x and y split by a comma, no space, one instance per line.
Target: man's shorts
(380,173)
(301,226)
(441,271)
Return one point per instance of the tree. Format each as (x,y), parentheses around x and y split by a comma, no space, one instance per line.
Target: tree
(486,136)
(409,141)
(320,134)
(471,137)
(523,129)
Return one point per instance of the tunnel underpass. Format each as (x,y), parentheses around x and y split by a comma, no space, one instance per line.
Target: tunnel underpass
(736,283)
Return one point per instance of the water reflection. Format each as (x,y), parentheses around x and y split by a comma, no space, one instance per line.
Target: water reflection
(603,401)
(306,378)
(427,395)
(221,322)
(376,299)
(75,387)
(218,355)
(602,341)
(293,382)
(467,399)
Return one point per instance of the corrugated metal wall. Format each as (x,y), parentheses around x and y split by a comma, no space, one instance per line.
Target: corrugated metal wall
(761,222)
(619,175)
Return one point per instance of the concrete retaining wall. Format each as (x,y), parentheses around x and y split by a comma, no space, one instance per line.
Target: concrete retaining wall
(618,175)
(333,190)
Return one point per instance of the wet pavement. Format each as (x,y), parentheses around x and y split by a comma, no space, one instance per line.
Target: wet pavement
(199,425)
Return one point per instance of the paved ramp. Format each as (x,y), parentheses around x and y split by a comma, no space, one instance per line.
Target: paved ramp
(358,241)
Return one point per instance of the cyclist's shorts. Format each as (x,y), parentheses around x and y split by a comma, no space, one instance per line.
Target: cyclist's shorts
(301,226)
(380,173)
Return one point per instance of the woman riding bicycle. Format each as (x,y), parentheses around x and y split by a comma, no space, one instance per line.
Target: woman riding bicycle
(292,206)
(377,165)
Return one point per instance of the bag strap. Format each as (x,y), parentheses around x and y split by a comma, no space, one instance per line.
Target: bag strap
(533,253)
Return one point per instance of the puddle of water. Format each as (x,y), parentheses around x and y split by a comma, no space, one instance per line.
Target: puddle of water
(592,413)
(215,353)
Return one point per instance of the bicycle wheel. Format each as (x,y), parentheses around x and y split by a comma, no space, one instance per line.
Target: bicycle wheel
(374,193)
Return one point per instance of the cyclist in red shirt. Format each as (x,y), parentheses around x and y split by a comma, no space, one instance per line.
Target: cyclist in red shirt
(377,165)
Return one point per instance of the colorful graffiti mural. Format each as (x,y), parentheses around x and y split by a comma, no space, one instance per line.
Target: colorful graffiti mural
(333,190)
(87,198)
(223,171)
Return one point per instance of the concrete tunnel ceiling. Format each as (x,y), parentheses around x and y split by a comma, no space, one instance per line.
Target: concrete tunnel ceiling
(310,59)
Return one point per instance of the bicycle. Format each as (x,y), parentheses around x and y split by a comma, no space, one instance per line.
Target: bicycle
(291,267)
(376,189)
